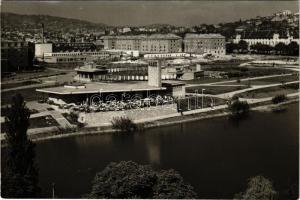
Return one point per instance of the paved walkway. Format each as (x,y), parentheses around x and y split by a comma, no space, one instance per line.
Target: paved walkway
(42,108)
(256,87)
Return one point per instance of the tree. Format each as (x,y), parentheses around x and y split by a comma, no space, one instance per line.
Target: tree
(230,47)
(280,48)
(238,108)
(243,46)
(258,188)
(261,48)
(20,175)
(293,49)
(127,179)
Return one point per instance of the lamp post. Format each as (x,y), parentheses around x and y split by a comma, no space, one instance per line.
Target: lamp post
(196,100)
(202,97)
(53,190)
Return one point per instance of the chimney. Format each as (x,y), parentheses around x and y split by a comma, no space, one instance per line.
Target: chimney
(43,33)
(154,73)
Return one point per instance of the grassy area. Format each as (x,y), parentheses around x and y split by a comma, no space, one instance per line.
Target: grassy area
(38,122)
(44,121)
(29,75)
(206,80)
(271,91)
(215,89)
(265,81)
(29,94)
(235,71)
(193,103)
(280,79)
(71,117)
(18,84)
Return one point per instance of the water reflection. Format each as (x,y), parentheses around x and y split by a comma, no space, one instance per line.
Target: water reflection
(153,149)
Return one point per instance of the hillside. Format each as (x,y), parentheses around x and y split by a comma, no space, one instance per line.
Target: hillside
(29,23)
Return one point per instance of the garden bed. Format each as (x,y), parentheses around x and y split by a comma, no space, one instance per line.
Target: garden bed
(41,122)
(271,91)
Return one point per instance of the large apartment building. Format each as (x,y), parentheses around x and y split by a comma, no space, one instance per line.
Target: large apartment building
(204,43)
(16,55)
(156,43)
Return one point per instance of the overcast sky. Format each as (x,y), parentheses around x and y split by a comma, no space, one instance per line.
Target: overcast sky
(183,13)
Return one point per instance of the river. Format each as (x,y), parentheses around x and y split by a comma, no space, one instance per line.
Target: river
(215,156)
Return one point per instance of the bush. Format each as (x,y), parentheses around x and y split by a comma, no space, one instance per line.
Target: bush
(279,98)
(72,117)
(123,124)
(238,108)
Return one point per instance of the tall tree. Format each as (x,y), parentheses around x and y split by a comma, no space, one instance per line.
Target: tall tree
(19,174)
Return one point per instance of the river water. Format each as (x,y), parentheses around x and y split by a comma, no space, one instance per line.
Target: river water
(215,156)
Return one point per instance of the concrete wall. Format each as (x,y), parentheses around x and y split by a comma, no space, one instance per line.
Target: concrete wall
(105,118)
(40,49)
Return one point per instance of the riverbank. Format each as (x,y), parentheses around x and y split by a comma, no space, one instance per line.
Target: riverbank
(188,116)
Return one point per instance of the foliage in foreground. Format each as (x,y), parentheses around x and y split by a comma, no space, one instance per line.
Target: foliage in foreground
(123,124)
(19,173)
(279,98)
(238,108)
(127,179)
(258,188)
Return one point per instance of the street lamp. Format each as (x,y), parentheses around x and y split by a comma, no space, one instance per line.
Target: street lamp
(196,99)
(202,97)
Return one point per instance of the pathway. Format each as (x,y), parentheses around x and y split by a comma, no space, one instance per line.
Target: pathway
(228,95)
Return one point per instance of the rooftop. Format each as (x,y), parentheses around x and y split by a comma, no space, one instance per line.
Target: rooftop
(205,36)
(153,36)
(102,87)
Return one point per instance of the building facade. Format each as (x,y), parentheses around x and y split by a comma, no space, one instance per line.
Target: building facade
(16,55)
(272,41)
(77,56)
(156,43)
(204,43)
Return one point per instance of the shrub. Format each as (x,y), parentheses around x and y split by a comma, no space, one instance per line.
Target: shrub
(279,98)
(72,117)
(238,108)
(80,125)
(123,124)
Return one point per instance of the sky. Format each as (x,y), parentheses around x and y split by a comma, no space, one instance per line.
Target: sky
(137,13)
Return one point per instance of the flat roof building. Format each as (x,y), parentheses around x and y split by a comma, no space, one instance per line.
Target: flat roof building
(204,44)
(155,43)
(73,93)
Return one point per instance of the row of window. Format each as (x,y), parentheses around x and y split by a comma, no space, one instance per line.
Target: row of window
(79,54)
